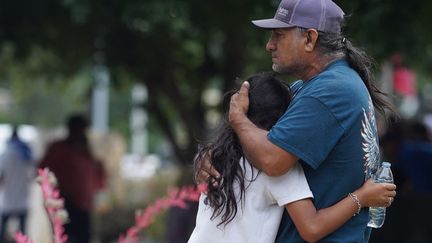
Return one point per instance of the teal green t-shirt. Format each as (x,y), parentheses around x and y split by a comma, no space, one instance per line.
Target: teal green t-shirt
(330,125)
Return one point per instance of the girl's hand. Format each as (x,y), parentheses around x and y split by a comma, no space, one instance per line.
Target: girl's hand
(205,172)
(373,194)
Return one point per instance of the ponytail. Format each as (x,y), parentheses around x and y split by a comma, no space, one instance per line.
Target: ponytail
(334,45)
(363,64)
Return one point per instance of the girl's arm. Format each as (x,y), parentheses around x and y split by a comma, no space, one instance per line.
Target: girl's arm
(313,224)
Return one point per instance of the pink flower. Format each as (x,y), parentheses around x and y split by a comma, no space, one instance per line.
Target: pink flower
(21,238)
(58,216)
(54,204)
(175,198)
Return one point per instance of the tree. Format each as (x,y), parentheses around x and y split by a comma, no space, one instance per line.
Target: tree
(178,49)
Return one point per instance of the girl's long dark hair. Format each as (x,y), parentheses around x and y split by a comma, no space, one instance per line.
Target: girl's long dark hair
(268,100)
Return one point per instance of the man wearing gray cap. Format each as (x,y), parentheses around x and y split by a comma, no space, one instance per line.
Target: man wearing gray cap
(329,126)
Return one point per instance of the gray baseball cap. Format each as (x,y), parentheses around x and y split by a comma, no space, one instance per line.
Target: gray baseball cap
(322,15)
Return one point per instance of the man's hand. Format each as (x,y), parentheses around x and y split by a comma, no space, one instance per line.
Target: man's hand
(239,103)
(205,172)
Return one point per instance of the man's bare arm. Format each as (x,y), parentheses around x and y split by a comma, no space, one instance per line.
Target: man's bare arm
(262,153)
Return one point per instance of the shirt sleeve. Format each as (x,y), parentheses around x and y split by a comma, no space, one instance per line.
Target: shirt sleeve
(290,187)
(308,129)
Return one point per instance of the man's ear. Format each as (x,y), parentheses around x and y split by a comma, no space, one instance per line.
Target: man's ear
(311,39)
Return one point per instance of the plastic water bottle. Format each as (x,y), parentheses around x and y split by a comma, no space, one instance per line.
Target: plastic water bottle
(377,214)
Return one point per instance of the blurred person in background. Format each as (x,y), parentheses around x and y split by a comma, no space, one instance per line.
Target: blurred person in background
(405,87)
(16,173)
(80,176)
(180,222)
(407,145)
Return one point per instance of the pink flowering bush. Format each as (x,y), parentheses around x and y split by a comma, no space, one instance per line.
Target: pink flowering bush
(21,238)
(54,206)
(58,216)
(175,198)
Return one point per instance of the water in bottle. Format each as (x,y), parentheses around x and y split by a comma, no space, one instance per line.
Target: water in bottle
(377,214)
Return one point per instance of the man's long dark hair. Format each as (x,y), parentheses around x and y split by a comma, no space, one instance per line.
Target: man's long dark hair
(335,45)
(268,100)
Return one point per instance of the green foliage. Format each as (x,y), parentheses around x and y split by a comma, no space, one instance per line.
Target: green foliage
(388,26)
(35,95)
(178,49)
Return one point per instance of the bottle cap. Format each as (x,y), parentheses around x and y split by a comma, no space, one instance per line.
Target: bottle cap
(386,164)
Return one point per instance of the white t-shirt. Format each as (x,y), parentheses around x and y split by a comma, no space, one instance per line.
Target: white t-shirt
(258,218)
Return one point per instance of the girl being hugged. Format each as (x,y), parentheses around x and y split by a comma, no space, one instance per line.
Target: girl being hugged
(247,205)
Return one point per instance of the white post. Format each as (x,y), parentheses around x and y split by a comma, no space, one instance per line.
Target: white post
(138,120)
(100,98)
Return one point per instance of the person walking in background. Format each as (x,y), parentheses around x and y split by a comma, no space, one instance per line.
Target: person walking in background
(329,127)
(16,173)
(80,175)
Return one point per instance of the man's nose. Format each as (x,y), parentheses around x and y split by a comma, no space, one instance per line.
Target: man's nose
(270,46)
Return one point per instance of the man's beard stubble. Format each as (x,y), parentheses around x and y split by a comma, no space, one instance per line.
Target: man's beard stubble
(293,70)
(283,70)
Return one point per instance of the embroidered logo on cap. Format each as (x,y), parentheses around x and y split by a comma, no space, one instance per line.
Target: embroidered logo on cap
(282,11)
